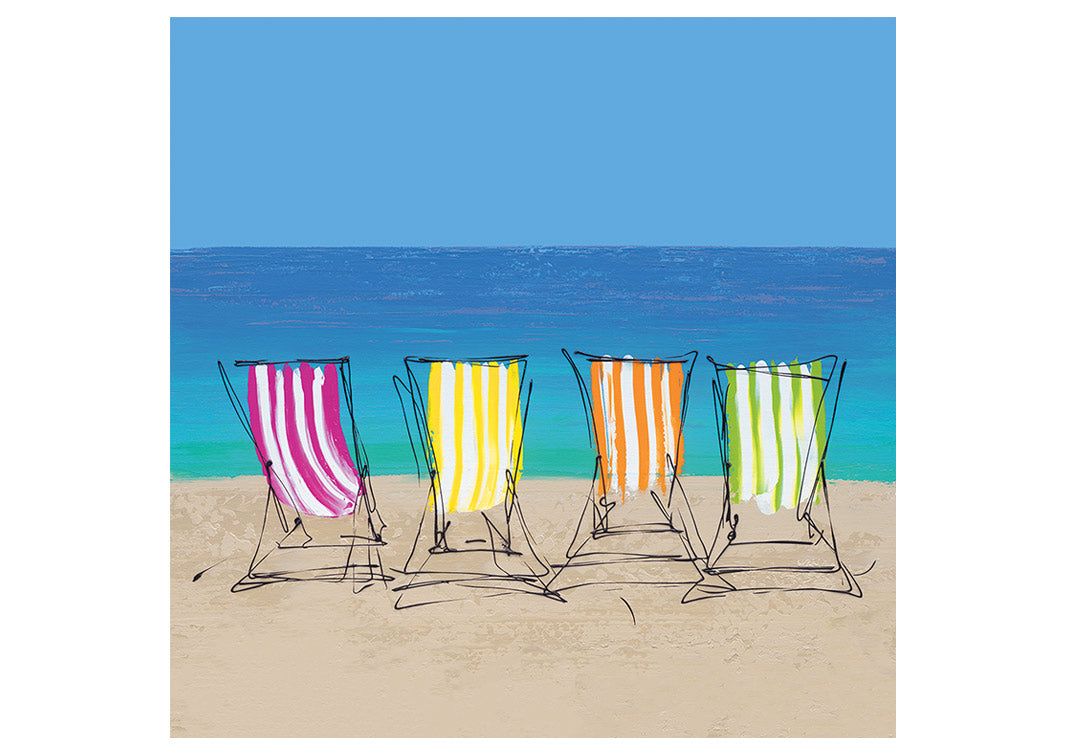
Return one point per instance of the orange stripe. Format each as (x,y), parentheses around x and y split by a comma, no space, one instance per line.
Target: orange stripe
(640,395)
(660,442)
(599,422)
(619,428)
(676,391)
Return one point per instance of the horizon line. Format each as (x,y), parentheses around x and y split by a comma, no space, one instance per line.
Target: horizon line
(539,247)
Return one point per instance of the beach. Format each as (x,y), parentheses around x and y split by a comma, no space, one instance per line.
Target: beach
(317,659)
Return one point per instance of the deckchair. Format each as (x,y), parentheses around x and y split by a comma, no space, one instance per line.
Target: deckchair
(469,428)
(774,422)
(294,421)
(635,410)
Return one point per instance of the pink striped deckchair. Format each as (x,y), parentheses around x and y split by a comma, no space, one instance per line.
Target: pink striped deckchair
(635,410)
(294,421)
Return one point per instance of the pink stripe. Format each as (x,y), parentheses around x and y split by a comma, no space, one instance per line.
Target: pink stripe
(304,467)
(307,381)
(334,434)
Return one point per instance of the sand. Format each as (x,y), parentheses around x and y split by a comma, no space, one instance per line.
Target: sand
(316,659)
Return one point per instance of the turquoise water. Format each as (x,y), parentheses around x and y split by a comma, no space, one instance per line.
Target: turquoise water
(379,305)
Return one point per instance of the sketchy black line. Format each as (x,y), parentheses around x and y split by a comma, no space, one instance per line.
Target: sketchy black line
(588,552)
(357,557)
(713,582)
(205,570)
(867,570)
(437,567)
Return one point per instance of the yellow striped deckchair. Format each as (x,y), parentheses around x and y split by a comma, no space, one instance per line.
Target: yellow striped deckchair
(469,424)
(774,420)
(635,410)
(474,415)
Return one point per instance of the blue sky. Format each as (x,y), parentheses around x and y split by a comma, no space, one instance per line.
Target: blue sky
(454,132)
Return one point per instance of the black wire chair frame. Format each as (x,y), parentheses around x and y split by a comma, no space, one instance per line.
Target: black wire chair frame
(715,582)
(510,528)
(595,519)
(367,530)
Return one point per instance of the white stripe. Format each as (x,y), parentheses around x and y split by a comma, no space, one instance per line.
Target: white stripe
(304,437)
(648,409)
(340,470)
(263,391)
(469,439)
(743,420)
(809,475)
(445,444)
(632,438)
(307,501)
(667,423)
(767,436)
(788,442)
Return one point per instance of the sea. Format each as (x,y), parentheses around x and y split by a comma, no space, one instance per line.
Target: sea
(379,305)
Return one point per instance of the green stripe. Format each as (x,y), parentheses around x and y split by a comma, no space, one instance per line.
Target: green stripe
(734,449)
(779,490)
(819,393)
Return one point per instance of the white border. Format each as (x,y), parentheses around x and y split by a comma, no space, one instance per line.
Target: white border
(84,304)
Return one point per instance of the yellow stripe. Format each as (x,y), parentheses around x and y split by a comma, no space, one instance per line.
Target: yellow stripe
(435,437)
(456,433)
(514,419)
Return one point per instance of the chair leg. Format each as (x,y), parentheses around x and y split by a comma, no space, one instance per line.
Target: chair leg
(518,534)
(248,580)
(713,584)
(682,519)
(594,518)
(849,583)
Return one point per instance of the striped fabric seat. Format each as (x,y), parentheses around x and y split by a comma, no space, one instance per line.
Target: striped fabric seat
(474,416)
(295,420)
(637,411)
(776,433)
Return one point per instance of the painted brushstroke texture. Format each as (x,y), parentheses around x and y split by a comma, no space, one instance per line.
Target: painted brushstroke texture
(379,305)
(776,433)
(474,415)
(295,420)
(636,413)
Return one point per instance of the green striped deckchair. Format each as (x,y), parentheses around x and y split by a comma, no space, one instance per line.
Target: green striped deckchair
(775,433)
(774,421)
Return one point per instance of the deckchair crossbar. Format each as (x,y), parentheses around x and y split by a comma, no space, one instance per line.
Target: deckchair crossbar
(631,359)
(260,362)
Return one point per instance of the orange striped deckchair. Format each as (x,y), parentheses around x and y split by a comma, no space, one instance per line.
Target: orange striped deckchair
(635,410)
(469,425)
(774,421)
